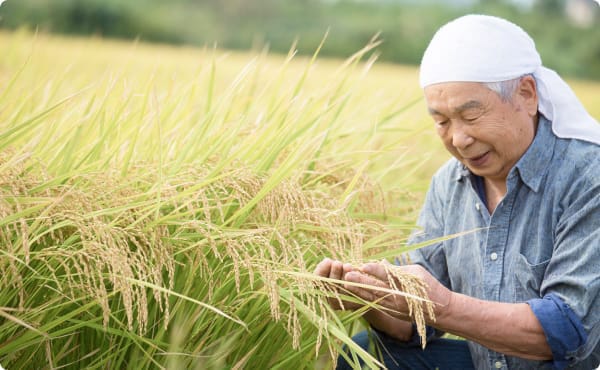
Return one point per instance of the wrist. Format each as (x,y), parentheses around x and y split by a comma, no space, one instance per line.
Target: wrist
(443,309)
(391,326)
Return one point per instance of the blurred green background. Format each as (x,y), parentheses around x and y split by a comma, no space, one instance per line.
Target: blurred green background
(566,31)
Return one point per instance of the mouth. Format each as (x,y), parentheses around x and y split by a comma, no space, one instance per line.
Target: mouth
(478,161)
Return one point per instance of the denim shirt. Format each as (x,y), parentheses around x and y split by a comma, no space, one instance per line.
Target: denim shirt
(541,245)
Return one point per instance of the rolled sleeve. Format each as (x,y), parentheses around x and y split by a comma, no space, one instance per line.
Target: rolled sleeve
(563,328)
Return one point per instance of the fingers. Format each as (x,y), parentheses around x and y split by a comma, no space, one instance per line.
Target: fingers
(347,268)
(374,274)
(375,269)
(378,270)
(333,269)
(396,304)
(364,292)
(337,270)
(323,268)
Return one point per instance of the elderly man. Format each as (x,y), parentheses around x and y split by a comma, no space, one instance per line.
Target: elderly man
(523,288)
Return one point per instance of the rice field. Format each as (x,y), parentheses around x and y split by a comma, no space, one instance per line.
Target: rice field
(163,207)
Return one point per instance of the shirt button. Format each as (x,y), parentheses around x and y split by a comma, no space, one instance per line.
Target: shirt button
(478,206)
(493,257)
(498,365)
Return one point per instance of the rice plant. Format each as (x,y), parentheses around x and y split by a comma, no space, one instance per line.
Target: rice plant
(164,207)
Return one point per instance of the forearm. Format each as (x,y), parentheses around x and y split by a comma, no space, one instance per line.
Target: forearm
(392,326)
(509,328)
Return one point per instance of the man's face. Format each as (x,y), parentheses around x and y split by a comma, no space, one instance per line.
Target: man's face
(485,133)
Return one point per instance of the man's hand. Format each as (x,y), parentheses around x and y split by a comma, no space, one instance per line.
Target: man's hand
(336,270)
(392,326)
(375,274)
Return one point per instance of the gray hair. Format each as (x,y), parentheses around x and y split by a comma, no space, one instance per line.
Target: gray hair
(505,89)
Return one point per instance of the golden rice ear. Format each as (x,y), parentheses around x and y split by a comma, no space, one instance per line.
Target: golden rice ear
(172,203)
(414,287)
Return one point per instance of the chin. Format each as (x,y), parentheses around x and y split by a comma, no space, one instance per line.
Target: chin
(478,172)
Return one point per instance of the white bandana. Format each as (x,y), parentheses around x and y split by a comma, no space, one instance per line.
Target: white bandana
(480,48)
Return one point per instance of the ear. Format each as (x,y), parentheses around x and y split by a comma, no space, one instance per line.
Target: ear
(527,92)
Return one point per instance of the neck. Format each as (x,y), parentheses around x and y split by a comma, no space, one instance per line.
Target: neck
(494,192)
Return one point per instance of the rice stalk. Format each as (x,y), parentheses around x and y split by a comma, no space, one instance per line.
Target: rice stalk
(169,214)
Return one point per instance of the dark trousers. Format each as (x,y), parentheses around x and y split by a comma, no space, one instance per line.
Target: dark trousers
(440,354)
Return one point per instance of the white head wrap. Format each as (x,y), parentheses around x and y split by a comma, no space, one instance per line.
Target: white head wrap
(480,48)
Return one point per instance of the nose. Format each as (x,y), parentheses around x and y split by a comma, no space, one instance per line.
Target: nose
(461,139)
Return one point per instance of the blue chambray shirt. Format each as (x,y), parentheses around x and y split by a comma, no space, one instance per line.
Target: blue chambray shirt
(541,245)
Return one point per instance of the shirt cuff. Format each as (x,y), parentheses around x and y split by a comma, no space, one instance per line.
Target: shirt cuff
(562,327)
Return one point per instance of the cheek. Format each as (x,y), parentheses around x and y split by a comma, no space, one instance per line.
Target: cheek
(522,132)
(514,142)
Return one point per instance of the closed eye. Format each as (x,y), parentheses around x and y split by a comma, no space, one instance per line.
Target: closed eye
(472,118)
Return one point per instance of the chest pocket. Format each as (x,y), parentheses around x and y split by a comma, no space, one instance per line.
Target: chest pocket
(528,278)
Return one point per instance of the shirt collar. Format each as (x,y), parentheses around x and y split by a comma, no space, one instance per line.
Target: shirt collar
(533,164)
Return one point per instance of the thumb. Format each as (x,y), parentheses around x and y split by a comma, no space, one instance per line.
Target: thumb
(375,269)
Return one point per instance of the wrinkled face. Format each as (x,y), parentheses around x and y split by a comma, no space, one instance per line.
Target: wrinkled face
(485,133)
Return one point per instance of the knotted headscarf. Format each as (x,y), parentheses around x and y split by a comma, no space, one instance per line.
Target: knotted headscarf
(481,48)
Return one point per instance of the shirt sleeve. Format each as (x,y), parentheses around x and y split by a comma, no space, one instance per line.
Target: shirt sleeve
(563,329)
(431,256)
(573,270)
(431,226)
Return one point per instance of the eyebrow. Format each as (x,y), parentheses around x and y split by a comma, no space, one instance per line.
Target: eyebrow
(471,104)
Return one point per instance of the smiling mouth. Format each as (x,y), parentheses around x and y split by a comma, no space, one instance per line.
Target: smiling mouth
(479,160)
